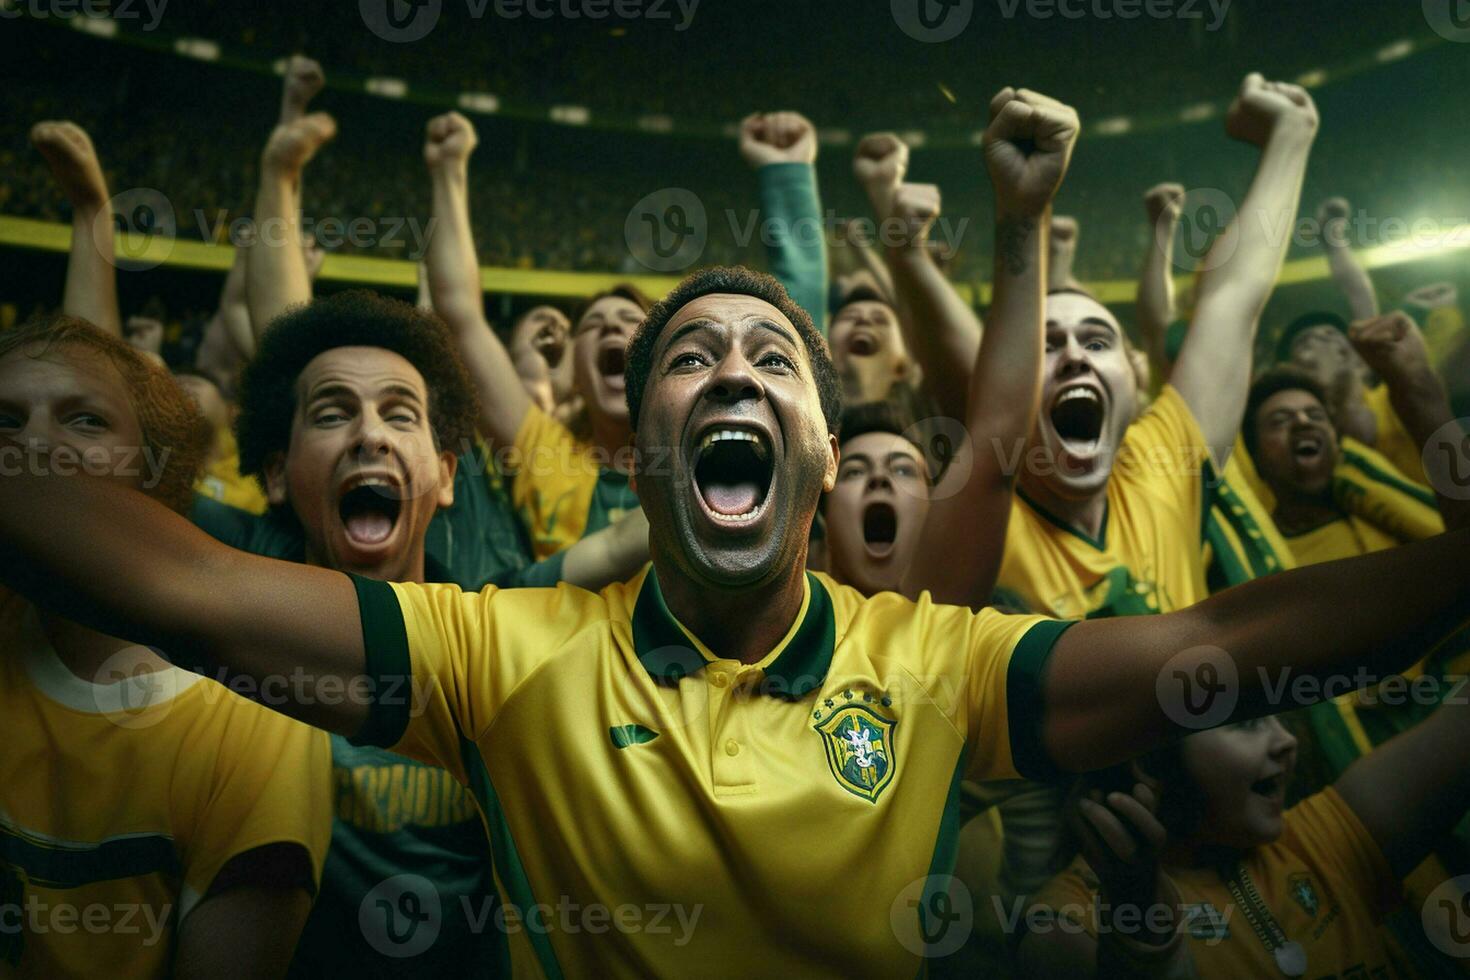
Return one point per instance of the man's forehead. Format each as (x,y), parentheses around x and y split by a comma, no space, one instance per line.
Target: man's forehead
(1289,398)
(1073,309)
(728,310)
(367,369)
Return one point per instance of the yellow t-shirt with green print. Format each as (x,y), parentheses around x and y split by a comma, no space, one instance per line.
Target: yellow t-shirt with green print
(560,487)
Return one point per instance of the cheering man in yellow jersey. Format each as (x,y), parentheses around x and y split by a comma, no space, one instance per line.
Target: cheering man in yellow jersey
(726,761)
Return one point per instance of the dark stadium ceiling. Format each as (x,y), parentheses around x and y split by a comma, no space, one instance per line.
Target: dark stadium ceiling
(694,67)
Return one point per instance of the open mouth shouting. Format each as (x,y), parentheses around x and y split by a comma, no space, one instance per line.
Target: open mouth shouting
(1272,788)
(1077,416)
(1308,447)
(734,468)
(551,343)
(863,343)
(612,361)
(369,506)
(880,528)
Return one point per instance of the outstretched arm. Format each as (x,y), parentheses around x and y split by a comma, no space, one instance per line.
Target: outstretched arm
(1393,347)
(1114,688)
(1028,148)
(277,273)
(938,325)
(1411,791)
(454,280)
(1214,367)
(782,148)
(91,273)
(1347,271)
(118,561)
(1156,309)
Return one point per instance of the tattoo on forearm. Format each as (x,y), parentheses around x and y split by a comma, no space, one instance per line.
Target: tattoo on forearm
(1010,240)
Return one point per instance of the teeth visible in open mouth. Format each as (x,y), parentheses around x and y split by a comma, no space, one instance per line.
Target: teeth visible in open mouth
(720,435)
(744,518)
(1072,394)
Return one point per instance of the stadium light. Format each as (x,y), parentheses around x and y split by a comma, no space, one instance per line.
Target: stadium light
(482,102)
(571,115)
(656,124)
(1198,112)
(96,26)
(197,48)
(1396,51)
(1312,79)
(388,88)
(914,138)
(1116,126)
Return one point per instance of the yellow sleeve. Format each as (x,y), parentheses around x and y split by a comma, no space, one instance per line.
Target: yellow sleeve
(555,479)
(441,661)
(270,784)
(1326,833)
(1002,708)
(1164,455)
(1367,484)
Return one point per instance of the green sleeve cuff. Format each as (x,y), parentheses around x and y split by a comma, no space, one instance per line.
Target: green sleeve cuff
(1026,700)
(544,574)
(387,664)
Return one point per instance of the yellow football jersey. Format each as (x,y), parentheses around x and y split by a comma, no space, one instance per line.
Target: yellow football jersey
(119,804)
(657,811)
(223,481)
(1394,440)
(1325,882)
(560,487)
(1149,557)
(1342,538)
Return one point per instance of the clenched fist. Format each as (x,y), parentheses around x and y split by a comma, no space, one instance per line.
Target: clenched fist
(73,161)
(304,79)
(880,163)
(1028,147)
(913,212)
(1262,107)
(1392,346)
(293,145)
(1164,200)
(449,141)
(777,137)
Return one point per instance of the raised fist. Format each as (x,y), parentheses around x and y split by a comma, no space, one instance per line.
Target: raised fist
(144,333)
(777,137)
(1261,106)
(1122,839)
(293,145)
(1062,252)
(314,254)
(1028,147)
(879,164)
(449,141)
(304,79)
(69,153)
(1435,295)
(913,212)
(1333,209)
(1392,346)
(1164,200)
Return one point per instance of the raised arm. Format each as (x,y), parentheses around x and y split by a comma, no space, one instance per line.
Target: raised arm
(782,149)
(91,272)
(277,272)
(1214,366)
(1028,148)
(1347,271)
(1410,792)
(1115,688)
(113,559)
(1156,309)
(454,280)
(938,325)
(1394,348)
(1062,253)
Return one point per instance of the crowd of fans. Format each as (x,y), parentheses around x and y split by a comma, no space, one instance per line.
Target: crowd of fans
(849,625)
